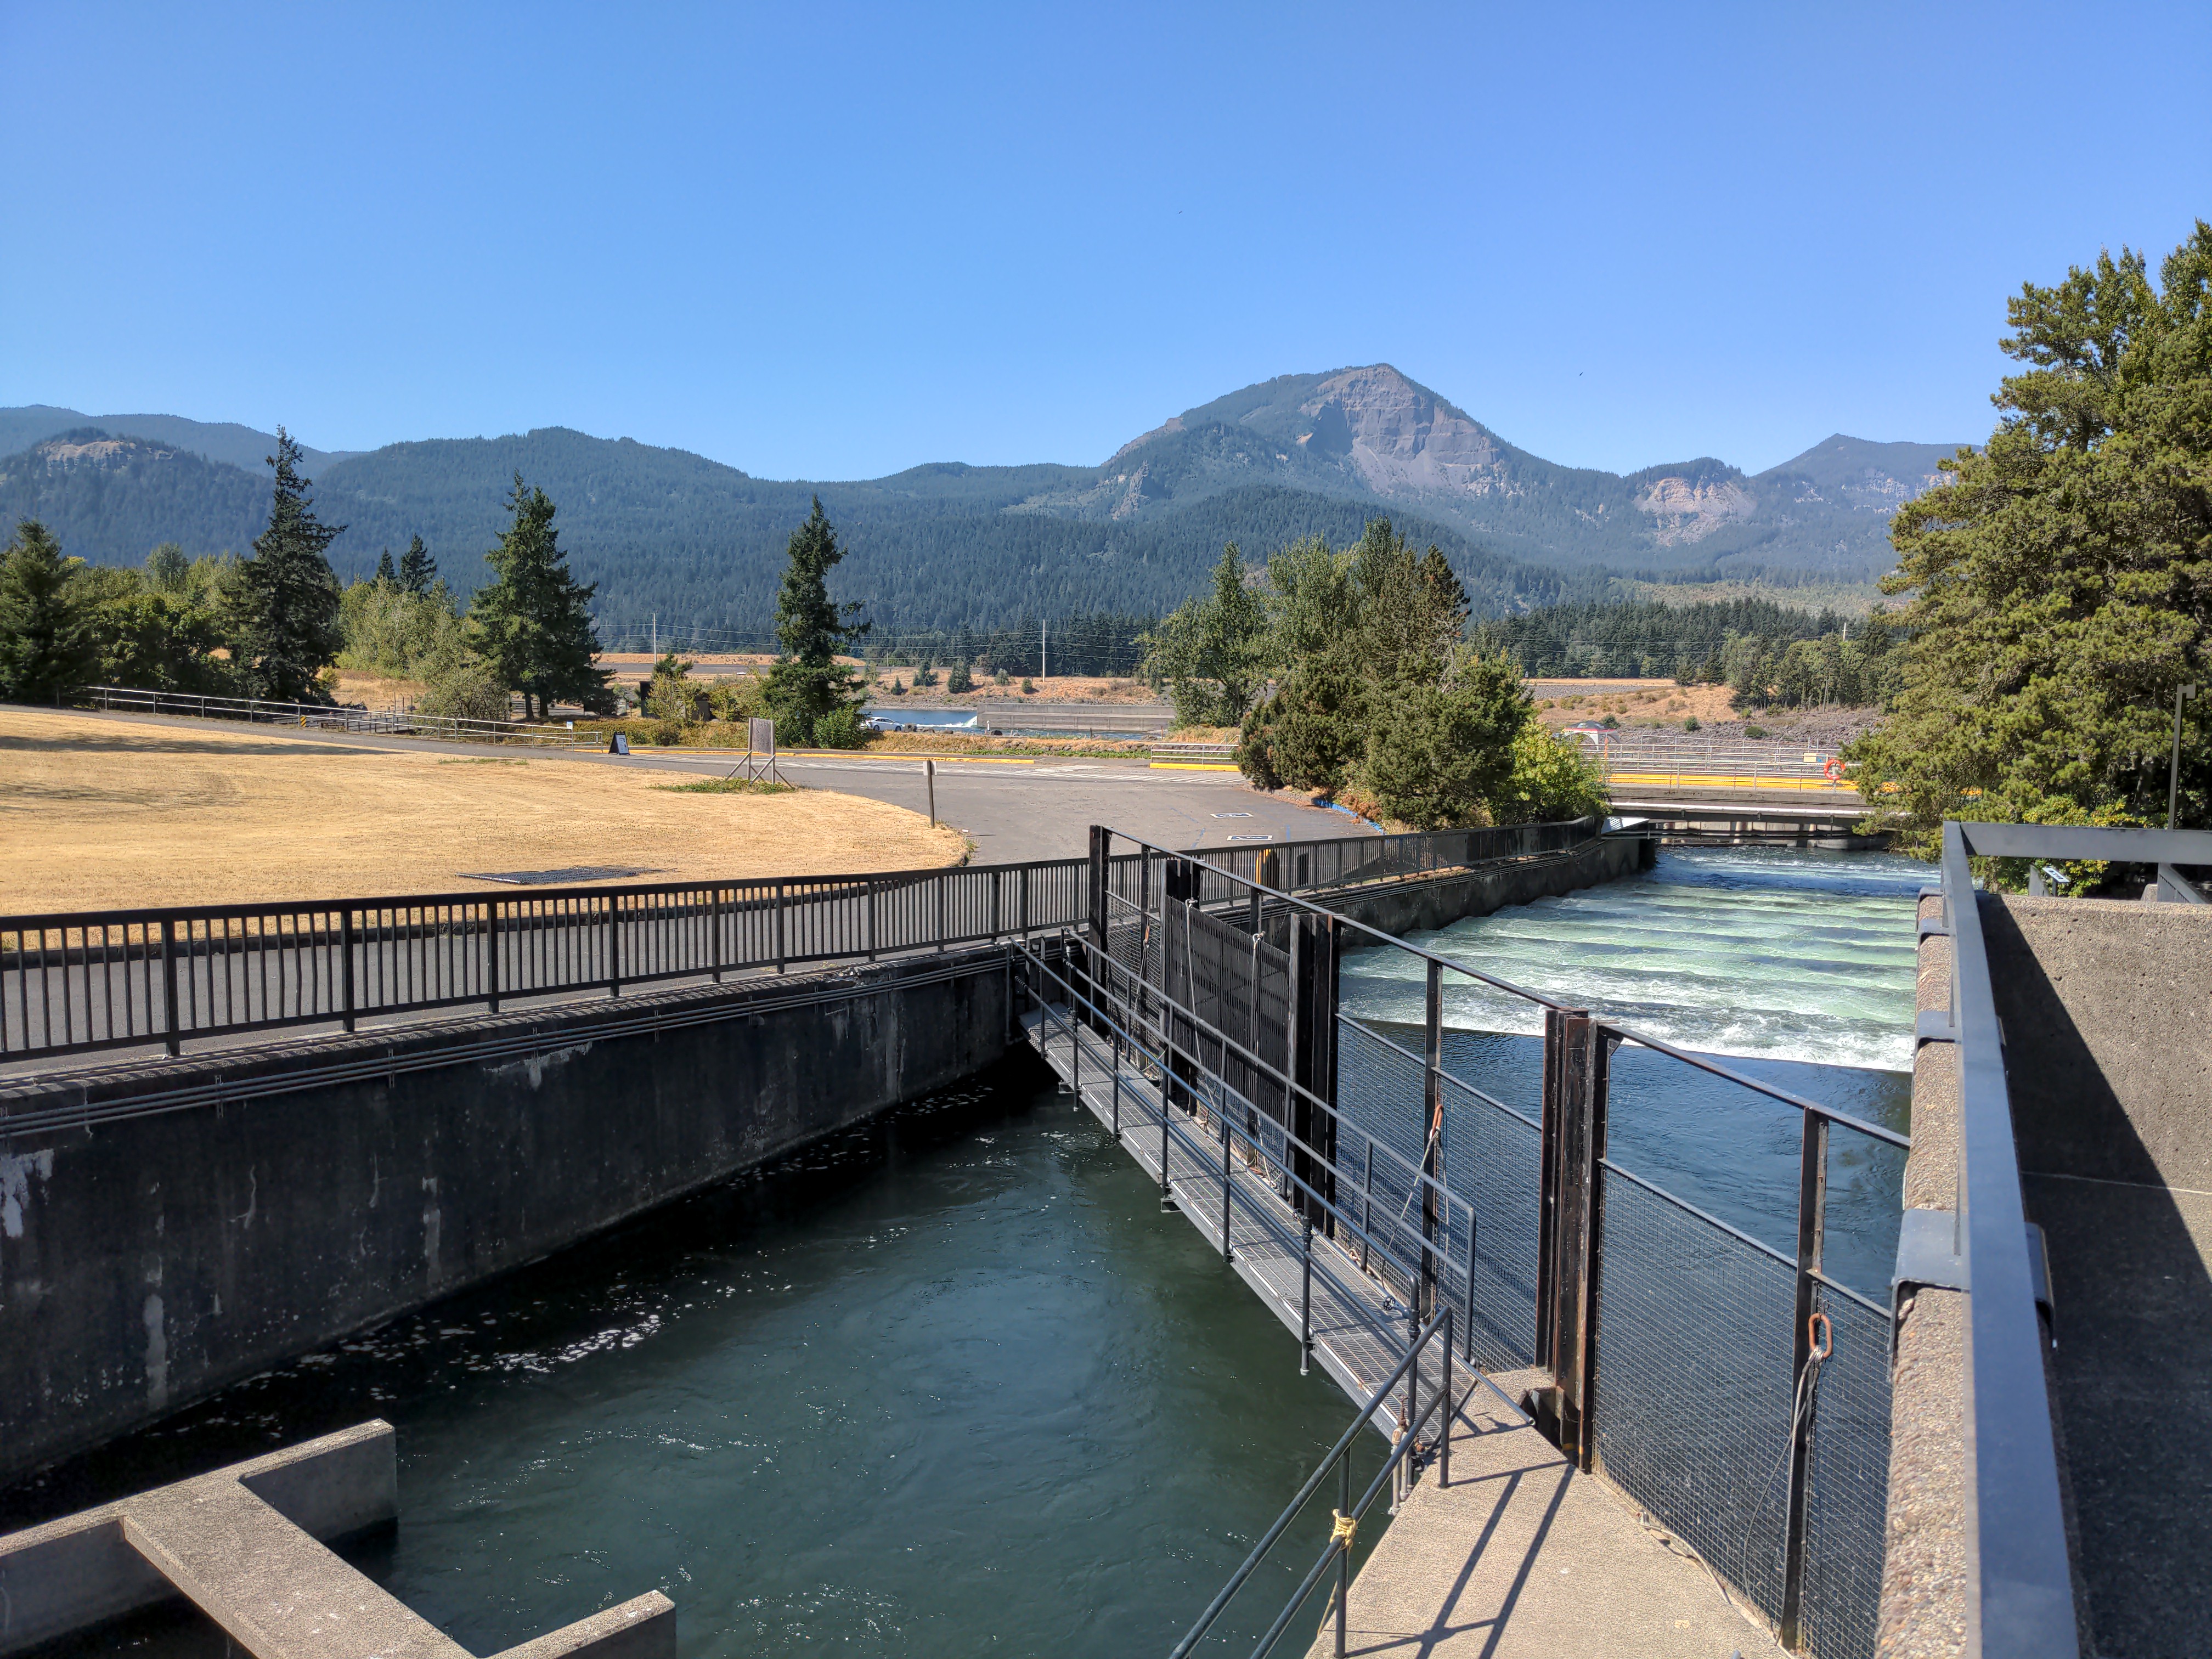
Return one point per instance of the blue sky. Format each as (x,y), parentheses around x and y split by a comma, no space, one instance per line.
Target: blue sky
(827,241)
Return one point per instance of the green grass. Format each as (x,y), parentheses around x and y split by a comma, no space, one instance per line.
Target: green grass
(728,786)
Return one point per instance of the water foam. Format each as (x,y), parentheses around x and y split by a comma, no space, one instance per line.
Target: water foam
(1759,952)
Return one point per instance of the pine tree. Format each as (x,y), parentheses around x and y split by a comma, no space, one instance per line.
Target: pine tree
(286,618)
(47,650)
(417,569)
(386,576)
(808,687)
(534,625)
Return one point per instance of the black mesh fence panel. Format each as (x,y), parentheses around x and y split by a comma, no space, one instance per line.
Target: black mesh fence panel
(1847,1488)
(1692,1397)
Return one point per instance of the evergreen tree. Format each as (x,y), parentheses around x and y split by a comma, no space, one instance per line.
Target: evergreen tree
(814,697)
(47,650)
(2061,586)
(532,626)
(1213,651)
(286,616)
(1438,753)
(386,576)
(417,569)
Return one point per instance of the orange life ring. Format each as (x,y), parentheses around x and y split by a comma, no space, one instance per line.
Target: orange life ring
(1834,770)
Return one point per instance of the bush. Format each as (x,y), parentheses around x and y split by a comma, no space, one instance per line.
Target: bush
(667,732)
(1002,678)
(898,688)
(1690,724)
(1553,779)
(925,675)
(1611,723)
(463,691)
(839,729)
(1028,689)
(1754,731)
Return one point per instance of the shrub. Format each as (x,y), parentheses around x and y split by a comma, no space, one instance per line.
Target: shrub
(1002,678)
(1611,723)
(1553,779)
(839,729)
(1028,688)
(925,675)
(898,687)
(1754,731)
(463,691)
(1690,724)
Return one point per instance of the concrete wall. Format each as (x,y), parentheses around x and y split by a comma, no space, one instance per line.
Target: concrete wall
(2106,1011)
(1424,906)
(147,1261)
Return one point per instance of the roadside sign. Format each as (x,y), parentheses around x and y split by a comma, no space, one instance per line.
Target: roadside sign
(761,735)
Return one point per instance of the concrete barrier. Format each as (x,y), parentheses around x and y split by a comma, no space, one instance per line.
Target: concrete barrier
(244,1545)
(318,1187)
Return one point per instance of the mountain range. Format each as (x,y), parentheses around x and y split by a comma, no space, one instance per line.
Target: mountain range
(948,545)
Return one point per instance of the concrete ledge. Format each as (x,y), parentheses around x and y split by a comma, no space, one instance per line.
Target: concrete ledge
(242,1545)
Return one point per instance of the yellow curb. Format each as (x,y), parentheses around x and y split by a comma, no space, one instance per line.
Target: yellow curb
(1713,780)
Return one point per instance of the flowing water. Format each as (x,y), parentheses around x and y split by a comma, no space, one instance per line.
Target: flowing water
(1795,967)
(952,1382)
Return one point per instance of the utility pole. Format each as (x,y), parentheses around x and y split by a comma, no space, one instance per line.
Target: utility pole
(656,636)
(2181,694)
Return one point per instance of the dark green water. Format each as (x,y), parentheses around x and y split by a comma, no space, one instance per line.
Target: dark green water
(951,1383)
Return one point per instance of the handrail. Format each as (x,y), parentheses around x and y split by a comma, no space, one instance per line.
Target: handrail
(1136,1044)
(2020,1592)
(1339,1544)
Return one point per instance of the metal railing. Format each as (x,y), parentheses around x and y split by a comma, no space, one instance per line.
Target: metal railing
(2020,1593)
(87,981)
(1348,1514)
(328,717)
(1733,1385)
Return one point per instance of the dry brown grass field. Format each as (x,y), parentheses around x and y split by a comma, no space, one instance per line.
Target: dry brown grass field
(101,814)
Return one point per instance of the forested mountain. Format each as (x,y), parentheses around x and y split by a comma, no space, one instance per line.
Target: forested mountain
(948,545)
(215,440)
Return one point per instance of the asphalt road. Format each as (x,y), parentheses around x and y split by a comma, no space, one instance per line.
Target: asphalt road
(1014,812)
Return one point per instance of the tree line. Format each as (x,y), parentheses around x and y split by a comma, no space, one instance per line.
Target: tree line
(274,624)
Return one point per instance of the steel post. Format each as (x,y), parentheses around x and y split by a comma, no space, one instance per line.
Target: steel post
(1431,1146)
(345,964)
(1812,1216)
(173,1039)
(779,927)
(491,955)
(1305,1298)
(1228,1136)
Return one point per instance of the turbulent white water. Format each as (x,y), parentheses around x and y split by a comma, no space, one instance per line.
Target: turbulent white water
(1765,953)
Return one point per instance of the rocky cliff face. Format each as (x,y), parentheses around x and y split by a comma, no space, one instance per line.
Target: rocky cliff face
(1401,438)
(1683,511)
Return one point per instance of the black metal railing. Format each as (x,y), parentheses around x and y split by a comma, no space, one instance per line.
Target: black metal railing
(1348,1512)
(84,981)
(1735,1386)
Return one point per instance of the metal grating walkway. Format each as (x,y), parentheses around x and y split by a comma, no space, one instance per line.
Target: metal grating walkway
(1359,1330)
